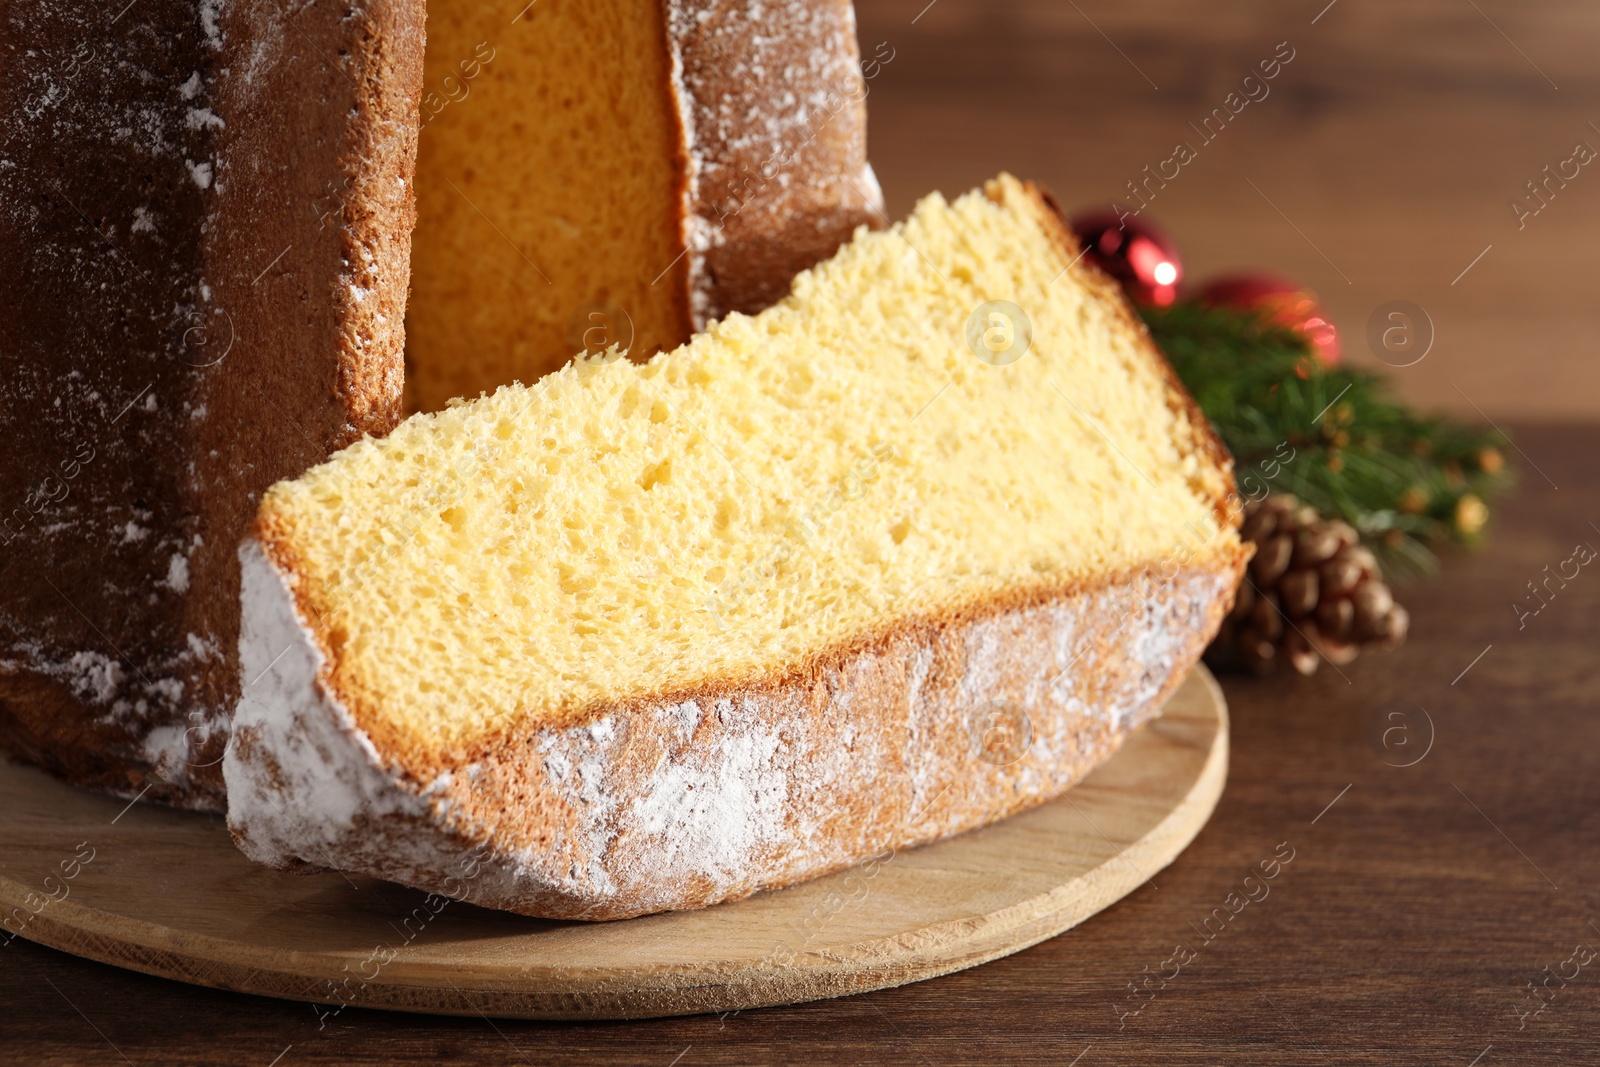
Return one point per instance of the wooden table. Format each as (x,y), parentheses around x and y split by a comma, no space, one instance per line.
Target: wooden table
(1420,902)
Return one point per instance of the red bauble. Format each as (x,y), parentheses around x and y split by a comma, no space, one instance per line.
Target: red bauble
(1281,301)
(1134,252)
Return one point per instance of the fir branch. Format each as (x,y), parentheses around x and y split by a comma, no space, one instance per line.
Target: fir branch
(1410,483)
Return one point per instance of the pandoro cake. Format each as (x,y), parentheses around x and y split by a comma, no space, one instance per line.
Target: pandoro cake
(208,211)
(912,550)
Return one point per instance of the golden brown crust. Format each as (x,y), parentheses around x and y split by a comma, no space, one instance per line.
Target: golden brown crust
(321,331)
(103,250)
(907,778)
(679,275)
(280,226)
(777,141)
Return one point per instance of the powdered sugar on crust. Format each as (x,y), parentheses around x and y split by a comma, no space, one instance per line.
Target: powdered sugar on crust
(311,754)
(107,154)
(688,802)
(771,97)
(709,817)
(207,206)
(306,787)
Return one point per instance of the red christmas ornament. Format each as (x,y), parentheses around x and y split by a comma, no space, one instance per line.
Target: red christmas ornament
(1137,254)
(1282,302)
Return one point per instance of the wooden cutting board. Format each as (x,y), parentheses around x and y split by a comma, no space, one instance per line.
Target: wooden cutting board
(166,893)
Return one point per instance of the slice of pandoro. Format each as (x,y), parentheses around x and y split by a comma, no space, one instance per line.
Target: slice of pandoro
(906,553)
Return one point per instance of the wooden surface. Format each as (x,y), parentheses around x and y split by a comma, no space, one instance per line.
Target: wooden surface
(166,893)
(1422,903)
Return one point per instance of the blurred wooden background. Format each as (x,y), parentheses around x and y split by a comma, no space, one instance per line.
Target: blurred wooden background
(1394,142)
(1428,895)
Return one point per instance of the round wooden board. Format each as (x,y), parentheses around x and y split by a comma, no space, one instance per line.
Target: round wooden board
(166,893)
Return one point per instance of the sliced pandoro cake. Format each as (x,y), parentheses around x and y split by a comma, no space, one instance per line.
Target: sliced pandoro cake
(906,553)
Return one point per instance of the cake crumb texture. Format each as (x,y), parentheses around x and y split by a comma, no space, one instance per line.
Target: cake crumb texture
(773,489)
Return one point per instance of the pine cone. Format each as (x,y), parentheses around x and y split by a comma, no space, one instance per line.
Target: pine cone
(1312,591)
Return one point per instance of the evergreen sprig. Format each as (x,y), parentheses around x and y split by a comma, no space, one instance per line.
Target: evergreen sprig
(1410,483)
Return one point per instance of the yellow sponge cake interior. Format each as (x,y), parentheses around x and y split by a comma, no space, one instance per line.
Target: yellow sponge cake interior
(893,440)
(549,176)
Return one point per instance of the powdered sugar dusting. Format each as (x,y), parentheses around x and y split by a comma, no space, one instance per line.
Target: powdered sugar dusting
(770,98)
(310,741)
(93,676)
(112,122)
(709,813)
(210,11)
